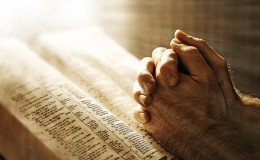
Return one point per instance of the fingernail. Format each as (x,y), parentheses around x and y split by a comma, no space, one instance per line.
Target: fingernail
(180,31)
(171,80)
(142,99)
(142,117)
(174,44)
(177,30)
(147,86)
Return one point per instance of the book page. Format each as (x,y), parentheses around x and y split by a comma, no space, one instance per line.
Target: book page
(68,121)
(98,66)
(93,47)
(84,56)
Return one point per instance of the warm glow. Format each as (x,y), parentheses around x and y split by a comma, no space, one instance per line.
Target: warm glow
(27,18)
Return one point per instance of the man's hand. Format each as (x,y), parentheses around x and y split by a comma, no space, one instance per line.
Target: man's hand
(185,106)
(241,111)
(183,112)
(146,84)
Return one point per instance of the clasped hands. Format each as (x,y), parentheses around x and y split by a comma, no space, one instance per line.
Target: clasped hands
(188,102)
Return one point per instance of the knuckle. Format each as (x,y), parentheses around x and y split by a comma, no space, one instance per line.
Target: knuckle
(170,53)
(142,75)
(165,67)
(168,65)
(158,50)
(136,95)
(170,56)
(202,42)
(191,50)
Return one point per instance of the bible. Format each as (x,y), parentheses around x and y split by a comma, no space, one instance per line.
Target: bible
(68,95)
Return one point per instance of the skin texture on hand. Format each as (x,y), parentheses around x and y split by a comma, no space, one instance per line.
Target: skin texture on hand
(197,106)
(145,75)
(240,112)
(183,113)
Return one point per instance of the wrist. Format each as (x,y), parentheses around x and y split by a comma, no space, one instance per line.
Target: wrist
(244,115)
(221,141)
(234,111)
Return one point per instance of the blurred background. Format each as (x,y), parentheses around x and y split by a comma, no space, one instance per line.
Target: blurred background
(232,27)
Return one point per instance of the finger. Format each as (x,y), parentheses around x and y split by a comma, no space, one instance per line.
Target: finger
(210,55)
(140,97)
(192,60)
(215,61)
(142,116)
(145,77)
(176,40)
(180,66)
(168,67)
(157,55)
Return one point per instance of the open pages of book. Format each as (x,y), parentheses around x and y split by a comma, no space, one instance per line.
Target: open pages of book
(97,65)
(64,121)
(100,67)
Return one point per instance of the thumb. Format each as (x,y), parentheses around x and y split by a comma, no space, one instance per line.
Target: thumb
(214,60)
(191,59)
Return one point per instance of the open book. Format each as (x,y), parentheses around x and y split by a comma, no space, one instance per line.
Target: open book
(68,96)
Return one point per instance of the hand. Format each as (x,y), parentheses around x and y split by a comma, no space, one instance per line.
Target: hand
(241,111)
(185,111)
(160,115)
(145,83)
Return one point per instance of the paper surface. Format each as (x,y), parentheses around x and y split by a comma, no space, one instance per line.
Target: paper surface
(98,66)
(69,121)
